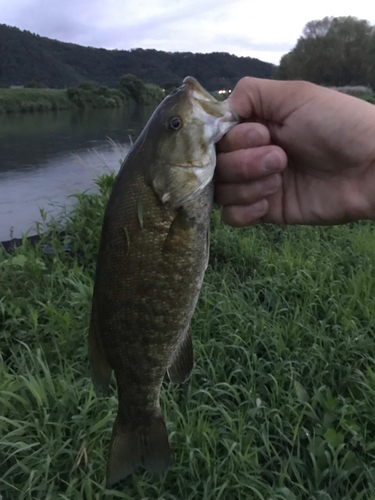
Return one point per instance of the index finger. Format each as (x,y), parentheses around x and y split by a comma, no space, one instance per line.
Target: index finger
(244,135)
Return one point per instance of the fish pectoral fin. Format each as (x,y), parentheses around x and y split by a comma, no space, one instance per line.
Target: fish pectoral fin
(182,361)
(177,230)
(100,369)
(177,185)
(131,447)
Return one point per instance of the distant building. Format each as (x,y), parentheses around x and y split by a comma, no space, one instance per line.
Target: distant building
(16,87)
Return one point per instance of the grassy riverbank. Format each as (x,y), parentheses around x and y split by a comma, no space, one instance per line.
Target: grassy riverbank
(281,403)
(31,100)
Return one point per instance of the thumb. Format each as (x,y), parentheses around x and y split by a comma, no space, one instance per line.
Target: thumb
(257,99)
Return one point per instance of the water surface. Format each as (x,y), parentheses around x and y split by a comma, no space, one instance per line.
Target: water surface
(46,157)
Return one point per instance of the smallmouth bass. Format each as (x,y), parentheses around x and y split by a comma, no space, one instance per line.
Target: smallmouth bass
(152,258)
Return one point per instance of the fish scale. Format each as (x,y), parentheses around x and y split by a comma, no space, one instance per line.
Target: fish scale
(151,262)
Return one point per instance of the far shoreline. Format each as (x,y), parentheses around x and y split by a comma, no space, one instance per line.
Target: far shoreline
(85,95)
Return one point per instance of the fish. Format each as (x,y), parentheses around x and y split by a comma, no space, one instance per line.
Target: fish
(152,258)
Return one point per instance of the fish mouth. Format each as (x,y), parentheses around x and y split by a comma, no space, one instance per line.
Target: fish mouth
(196,90)
(201,98)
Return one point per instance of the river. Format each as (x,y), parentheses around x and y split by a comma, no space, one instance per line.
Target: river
(46,157)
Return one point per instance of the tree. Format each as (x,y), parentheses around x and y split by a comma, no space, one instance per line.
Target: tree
(333,51)
(372,62)
(132,87)
(24,56)
(86,85)
(170,87)
(35,84)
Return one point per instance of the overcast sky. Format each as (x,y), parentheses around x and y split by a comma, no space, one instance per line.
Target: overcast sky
(264,29)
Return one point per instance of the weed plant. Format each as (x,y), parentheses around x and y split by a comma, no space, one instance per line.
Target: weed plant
(281,403)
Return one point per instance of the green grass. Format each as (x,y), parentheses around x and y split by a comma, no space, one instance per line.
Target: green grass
(369,98)
(281,403)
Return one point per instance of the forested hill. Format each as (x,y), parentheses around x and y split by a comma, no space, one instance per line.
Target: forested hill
(25,56)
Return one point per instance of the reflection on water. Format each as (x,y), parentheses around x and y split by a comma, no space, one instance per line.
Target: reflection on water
(38,162)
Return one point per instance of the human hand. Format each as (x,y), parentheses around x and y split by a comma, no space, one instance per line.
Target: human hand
(323,166)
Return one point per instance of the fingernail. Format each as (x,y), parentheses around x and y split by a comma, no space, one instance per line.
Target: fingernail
(271,162)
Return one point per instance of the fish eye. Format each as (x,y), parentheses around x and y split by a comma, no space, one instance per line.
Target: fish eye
(174,123)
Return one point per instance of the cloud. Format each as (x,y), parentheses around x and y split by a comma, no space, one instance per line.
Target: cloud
(182,25)
(175,23)
(60,20)
(248,47)
(115,23)
(244,27)
(242,41)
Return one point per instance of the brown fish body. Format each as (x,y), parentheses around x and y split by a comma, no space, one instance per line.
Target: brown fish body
(151,263)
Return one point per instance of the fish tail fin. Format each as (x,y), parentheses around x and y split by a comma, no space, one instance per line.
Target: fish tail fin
(181,366)
(146,445)
(100,369)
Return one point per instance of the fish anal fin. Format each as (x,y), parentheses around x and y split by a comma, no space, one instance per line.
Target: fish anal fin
(100,368)
(131,447)
(182,361)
